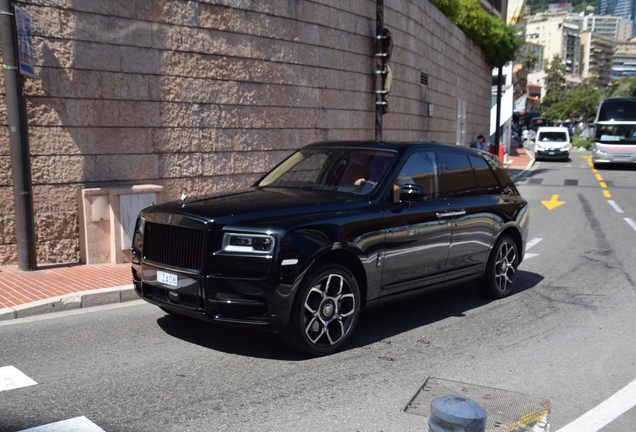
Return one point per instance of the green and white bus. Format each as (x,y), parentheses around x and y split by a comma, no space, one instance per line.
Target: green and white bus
(615,132)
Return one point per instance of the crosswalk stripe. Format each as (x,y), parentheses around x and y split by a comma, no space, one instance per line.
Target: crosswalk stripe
(77,424)
(11,378)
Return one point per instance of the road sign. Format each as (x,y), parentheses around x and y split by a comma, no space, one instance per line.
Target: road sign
(26,62)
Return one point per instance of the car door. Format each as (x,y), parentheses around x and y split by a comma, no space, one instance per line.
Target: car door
(418,230)
(472,224)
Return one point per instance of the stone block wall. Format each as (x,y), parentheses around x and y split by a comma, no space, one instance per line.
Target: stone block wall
(205,96)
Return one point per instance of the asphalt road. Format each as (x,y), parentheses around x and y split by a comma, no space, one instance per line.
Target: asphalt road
(566,334)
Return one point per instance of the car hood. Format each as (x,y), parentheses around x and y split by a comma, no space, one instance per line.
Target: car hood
(261,204)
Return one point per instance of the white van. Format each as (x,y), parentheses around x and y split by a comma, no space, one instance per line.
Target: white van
(552,143)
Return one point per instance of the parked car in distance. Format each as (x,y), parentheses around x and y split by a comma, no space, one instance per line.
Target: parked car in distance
(335,228)
(538,122)
(552,143)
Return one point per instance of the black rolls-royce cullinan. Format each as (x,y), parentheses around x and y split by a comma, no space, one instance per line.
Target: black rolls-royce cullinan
(335,228)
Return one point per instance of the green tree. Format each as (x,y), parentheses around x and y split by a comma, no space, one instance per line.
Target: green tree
(497,39)
(584,99)
(530,61)
(623,87)
(581,102)
(554,83)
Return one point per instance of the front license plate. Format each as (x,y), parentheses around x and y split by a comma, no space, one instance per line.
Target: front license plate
(550,153)
(167,278)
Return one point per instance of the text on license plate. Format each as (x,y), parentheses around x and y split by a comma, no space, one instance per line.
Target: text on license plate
(167,278)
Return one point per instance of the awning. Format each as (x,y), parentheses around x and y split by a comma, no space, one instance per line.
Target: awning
(520,104)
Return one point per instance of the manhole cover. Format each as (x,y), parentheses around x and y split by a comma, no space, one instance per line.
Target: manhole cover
(507,411)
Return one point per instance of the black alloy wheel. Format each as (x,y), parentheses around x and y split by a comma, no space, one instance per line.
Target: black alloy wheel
(501,270)
(326,311)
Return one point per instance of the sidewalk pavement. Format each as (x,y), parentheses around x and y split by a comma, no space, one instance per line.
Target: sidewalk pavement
(60,287)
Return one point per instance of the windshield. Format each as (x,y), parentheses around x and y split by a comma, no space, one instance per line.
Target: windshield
(552,137)
(616,133)
(350,170)
(623,110)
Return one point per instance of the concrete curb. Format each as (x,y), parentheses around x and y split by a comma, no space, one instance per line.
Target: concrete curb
(79,300)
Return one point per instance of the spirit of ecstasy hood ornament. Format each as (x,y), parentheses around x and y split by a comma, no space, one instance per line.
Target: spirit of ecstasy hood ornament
(183,199)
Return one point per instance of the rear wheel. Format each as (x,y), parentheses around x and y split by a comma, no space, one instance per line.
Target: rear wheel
(501,270)
(326,310)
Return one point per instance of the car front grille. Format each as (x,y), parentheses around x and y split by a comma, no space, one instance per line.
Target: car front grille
(173,245)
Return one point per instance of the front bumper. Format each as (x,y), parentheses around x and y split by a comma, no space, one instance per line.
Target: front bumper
(613,157)
(552,154)
(251,303)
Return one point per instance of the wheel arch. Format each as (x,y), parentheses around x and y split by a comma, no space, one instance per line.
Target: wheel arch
(517,238)
(351,261)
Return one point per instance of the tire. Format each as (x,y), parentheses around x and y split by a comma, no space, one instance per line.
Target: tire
(501,270)
(325,312)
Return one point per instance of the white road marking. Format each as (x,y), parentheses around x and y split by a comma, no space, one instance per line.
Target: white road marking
(615,206)
(77,424)
(595,419)
(11,378)
(532,242)
(631,223)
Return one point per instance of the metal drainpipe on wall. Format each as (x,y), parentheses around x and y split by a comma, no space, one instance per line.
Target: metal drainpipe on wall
(379,68)
(18,142)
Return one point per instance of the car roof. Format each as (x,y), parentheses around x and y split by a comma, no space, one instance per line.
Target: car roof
(399,146)
(552,129)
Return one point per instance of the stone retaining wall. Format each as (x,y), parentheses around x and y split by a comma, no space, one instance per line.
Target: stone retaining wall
(205,96)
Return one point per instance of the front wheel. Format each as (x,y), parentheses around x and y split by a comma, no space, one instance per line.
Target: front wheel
(501,270)
(326,310)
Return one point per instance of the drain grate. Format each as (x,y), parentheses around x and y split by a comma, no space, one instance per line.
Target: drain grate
(507,411)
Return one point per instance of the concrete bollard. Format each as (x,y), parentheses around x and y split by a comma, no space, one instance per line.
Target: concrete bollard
(456,414)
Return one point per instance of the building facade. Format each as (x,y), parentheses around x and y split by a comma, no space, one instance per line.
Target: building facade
(559,34)
(614,28)
(204,96)
(624,60)
(620,8)
(597,54)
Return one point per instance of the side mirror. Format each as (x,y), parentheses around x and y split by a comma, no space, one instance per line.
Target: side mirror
(411,192)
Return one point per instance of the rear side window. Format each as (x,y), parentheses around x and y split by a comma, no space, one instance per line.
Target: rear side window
(458,179)
(488,184)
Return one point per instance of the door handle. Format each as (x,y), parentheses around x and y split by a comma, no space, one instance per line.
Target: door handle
(450,214)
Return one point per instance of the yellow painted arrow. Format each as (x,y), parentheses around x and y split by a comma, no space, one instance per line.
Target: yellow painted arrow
(553,203)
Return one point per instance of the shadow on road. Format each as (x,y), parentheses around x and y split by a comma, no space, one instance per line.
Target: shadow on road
(374,325)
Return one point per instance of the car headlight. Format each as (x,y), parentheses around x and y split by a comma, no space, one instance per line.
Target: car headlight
(248,243)
(138,237)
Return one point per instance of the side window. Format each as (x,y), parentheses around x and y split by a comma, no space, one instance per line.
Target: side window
(488,184)
(421,168)
(458,179)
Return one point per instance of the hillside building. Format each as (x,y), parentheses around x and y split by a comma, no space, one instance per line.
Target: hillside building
(597,57)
